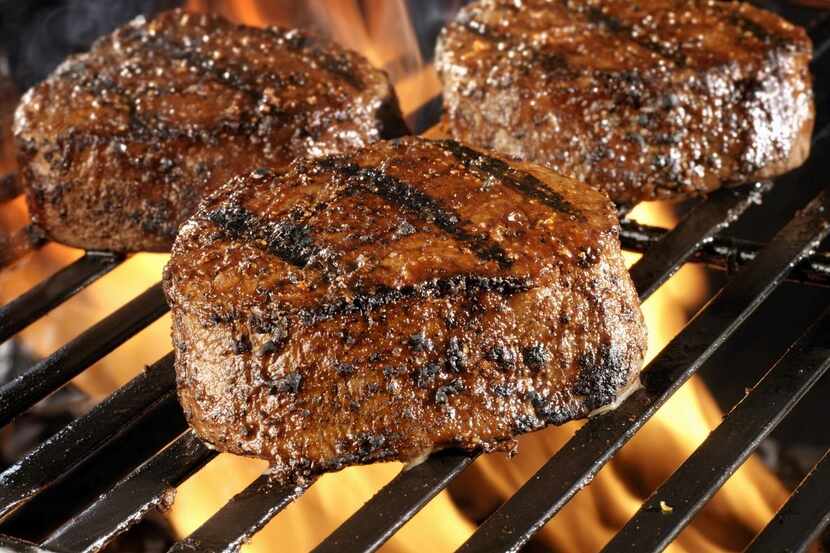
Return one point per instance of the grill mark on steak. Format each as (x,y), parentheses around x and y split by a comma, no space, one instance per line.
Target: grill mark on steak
(746,24)
(147,129)
(480,29)
(593,15)
(336,65)
(252,83)
(229,75)
(238,78)
(616,27)
(553,62)
(403,195)
(290,240)
(524,183)
(455,285)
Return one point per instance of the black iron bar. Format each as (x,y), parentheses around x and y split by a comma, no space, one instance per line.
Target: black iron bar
(704,221)
(673,505)
(396,503)
(727,253)
(148,487)
(575,465)
(241,517)
(47,511)
(802,518)
(22,311)
(402,498)
(67,362)
(82,438)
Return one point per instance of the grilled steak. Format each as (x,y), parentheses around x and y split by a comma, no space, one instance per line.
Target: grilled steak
(118,146)
(414,296)
(646,99)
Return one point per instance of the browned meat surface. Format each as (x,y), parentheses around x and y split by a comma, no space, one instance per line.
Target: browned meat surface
(414,296)
(118,146)
(645,99)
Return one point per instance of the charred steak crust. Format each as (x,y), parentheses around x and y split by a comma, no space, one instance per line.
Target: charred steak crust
(118,146)
(413,296)
(646,99)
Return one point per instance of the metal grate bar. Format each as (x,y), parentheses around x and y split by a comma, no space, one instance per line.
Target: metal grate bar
(573,467)
(81,439)
(24,310)
(727,253)
(241,517)
(728,446)
(407,495)
(803,516)
(10,544)
(700,225)
(60,367)
(400,500)
(149,486)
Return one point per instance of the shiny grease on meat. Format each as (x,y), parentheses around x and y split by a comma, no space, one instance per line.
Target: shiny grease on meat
(118,145)
(645,100)
(413,296)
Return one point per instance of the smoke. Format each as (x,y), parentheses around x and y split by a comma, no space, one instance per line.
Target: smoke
(38,35)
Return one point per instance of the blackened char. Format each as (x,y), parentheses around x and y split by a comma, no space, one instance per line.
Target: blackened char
(504,307)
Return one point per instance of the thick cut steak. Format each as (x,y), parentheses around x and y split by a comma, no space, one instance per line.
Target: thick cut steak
(118,146)
(413,296)
(646,99)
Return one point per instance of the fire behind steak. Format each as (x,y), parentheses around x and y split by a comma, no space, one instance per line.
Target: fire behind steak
(646,99)
(414,296)
(118,146)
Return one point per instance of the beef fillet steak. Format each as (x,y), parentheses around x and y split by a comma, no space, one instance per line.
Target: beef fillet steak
(413,296)
(118,146)
(647,99)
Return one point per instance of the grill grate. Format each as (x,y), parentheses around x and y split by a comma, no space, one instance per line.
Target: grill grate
(20,313)
(801,519)
(145,482)
(696,481)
